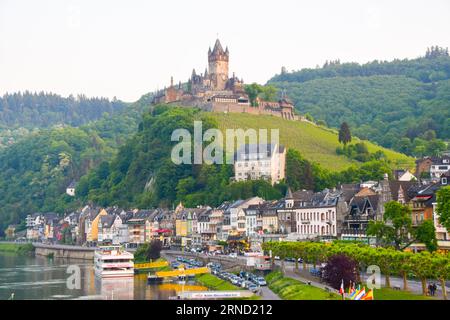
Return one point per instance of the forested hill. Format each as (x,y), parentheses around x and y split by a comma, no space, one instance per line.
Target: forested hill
(43,110)
(402,104)
(35,171)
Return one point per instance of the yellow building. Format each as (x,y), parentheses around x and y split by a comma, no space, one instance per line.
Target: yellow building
(181,226)
(93,232)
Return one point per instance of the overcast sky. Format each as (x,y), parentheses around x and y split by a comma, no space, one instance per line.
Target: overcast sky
(128,48)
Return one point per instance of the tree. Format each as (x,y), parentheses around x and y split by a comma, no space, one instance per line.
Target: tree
(253,90)
(340,267)
(149,251)
(426,233)
(422,268)
(441,267)
(384,258)
(397,230)
(402,263)
(443,206)
(269,93)
(344,134)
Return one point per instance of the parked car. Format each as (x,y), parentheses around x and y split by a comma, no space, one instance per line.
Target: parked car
(261,281)
(253,288)
(233,254)
(289,259)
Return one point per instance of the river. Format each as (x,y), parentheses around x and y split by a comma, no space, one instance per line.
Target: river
(43,278)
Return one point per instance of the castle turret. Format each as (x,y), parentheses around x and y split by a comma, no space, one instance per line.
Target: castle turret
(218,66)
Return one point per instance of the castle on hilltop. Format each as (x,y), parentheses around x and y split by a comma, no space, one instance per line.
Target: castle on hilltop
(214,90)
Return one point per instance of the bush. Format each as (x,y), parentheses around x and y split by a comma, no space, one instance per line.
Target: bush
(148,251)
(340,267)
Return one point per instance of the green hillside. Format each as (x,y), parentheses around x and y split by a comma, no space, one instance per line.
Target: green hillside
(315,143)
(403,104)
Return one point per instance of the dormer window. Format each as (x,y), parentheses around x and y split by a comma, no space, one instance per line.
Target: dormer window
(444,181)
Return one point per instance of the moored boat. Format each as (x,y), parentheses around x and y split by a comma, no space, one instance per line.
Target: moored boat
(113,262)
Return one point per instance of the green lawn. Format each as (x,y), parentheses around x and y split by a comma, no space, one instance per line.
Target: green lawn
(390,294)
(291,289)
(214,283)
(17,248)
(315,143)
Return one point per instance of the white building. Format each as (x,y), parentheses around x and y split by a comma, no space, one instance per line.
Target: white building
(442,233)
(316,221)
(407,176)
(251,220)
(70,190)
(108,229)
(260,161)
(315,214)
(440,166)
(234,220)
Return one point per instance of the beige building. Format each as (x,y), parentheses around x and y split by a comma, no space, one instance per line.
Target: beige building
(265,161)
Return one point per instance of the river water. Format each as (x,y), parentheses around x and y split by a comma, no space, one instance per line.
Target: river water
(43,278)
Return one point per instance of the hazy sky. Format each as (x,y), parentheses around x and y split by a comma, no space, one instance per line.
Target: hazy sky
(128,48)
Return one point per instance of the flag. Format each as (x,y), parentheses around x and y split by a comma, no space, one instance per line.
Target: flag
(350,288)
(360,294)
(368,295)
(341,289)
(353,294)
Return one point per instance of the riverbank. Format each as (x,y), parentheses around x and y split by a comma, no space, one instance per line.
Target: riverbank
(291,289)
(17,248)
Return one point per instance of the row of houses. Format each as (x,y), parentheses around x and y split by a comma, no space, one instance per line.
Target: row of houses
(340,213)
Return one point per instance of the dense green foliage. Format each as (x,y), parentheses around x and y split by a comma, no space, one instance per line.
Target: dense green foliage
(443,206)
(360,152)
(148,251)
(381,101)
(254,90)
(43,110)
(143,174)
(35,171)
(302,174)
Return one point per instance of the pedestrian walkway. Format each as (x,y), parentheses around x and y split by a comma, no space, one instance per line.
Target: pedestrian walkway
(267,294)
(292,273)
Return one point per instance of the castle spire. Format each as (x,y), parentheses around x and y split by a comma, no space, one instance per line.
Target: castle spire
(217,47)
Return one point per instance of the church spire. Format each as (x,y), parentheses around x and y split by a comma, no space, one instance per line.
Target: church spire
(288,193)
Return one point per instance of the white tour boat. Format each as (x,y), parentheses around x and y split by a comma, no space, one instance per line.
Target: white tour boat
(113,262)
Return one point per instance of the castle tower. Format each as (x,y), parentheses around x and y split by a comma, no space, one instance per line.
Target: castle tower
(218,66)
